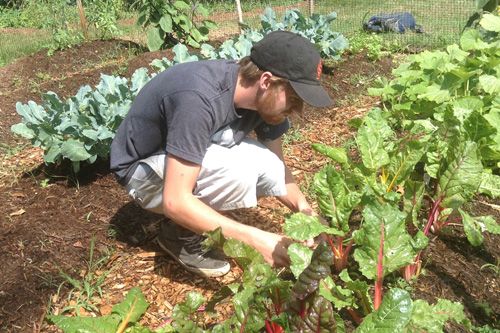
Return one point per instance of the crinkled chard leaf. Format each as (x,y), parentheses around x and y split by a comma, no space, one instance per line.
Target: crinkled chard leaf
(320,318)
(392,316)
(398,249)
(432,318)
(318,269)
(460,175)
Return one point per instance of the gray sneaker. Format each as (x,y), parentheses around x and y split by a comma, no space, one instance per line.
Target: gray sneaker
(185,247)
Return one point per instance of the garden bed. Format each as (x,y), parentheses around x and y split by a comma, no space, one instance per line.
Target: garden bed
(48,220)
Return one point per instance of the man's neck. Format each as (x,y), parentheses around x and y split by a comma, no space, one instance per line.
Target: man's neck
(245,96)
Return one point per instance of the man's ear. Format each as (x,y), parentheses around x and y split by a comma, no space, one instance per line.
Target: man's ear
(265,80)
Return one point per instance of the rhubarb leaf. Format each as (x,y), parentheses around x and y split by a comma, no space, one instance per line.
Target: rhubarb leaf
(398,249)
(392,316)
(460,175)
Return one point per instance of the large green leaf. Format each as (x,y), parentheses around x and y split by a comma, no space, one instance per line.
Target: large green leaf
(248,310)
(460,176)
(403,162)
(490,84)
(303,227)
(320,318)
(105,324)
(490,22)
(412,200)
(340,297)
(166,23)
(300,257)
(392,316)
(129,310)
(334,198)
(432,318)
(475,226)
(318,269)
(398,249)
(133,307)
(241,252)
(371,140)
(74,150)
(155,39)
(23,130)
(336,154)
(490,185)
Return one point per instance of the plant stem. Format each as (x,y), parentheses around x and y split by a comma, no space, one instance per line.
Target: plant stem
(380,271)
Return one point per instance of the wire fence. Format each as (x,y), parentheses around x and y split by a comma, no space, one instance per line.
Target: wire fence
(442,21)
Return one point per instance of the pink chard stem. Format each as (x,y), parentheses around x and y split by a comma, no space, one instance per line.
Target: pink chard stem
(380,271)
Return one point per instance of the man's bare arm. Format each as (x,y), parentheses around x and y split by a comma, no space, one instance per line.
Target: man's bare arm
(294,199)
(185,209)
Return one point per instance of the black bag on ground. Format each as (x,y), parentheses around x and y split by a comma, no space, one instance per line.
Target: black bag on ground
(396,22)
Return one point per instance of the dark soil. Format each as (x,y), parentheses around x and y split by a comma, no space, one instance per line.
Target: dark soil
(49,219)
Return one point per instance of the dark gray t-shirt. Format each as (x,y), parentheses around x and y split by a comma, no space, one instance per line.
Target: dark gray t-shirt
(181,111)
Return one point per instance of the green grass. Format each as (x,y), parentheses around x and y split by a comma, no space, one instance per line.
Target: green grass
(442,20)
(17,44)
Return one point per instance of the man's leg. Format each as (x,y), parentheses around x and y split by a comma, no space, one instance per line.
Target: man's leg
(230,178)
(146,188)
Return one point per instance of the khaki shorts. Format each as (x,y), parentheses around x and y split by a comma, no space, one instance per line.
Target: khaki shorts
(229,178)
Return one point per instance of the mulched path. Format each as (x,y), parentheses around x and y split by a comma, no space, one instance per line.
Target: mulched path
(49,220)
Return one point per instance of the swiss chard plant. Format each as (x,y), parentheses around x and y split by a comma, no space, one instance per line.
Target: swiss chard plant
(457,92)
(264,301)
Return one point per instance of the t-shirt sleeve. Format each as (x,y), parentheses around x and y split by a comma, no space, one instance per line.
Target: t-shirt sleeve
(190,123)
(267,132)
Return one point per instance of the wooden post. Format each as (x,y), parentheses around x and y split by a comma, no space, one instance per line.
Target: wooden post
(311,7)
(240,13)
(83,19)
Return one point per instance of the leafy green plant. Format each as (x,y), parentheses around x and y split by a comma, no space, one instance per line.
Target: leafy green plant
(80,129)
(171,22)
(123,315)
(316,28)
(103,15)
(455,90)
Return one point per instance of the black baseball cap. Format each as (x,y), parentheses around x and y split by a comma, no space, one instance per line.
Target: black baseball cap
(293,57)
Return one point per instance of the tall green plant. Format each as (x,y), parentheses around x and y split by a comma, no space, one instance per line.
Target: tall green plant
(170,22)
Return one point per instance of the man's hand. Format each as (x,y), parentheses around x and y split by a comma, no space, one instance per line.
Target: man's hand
(273,248)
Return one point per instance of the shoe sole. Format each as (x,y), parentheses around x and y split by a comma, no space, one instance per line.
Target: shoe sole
(208,273)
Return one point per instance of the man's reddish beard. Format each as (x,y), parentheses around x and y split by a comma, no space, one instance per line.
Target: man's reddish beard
(268,102)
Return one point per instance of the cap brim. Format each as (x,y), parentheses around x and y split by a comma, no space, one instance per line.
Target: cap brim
(313,95)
